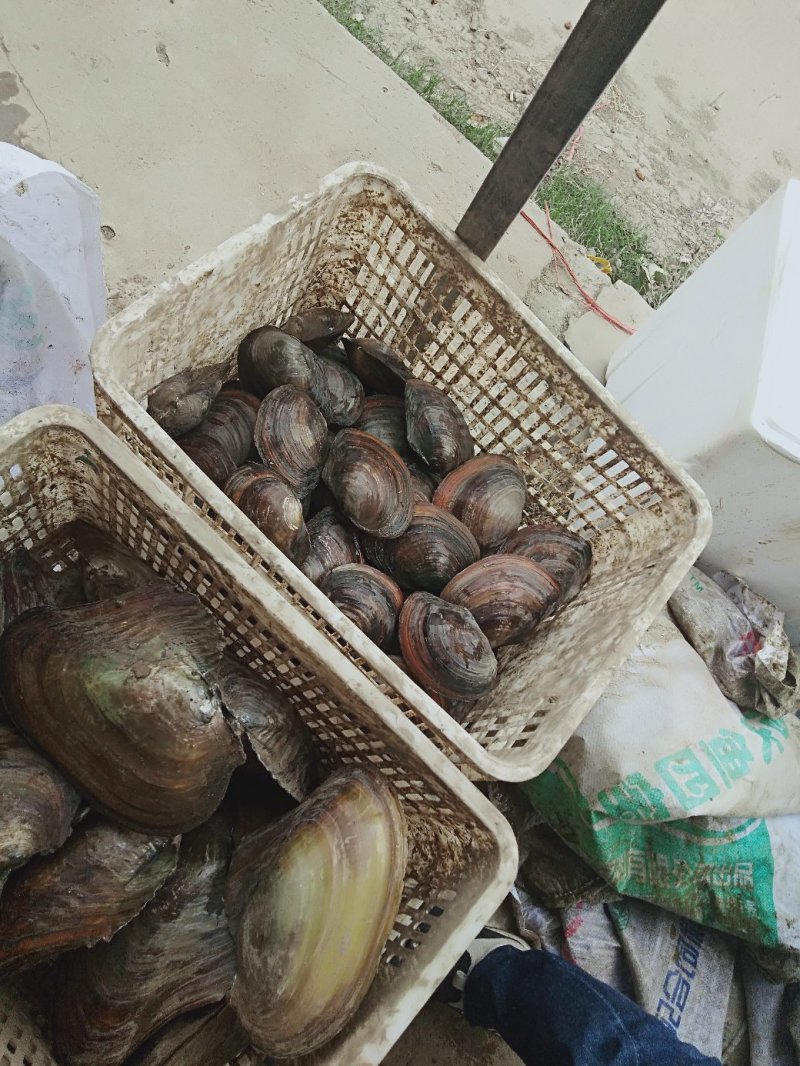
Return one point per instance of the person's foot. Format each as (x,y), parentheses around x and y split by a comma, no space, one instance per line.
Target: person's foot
(451,990)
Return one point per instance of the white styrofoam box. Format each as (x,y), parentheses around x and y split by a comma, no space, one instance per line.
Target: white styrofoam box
(714,376)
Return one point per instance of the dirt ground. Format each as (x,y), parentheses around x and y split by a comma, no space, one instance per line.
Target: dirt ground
(697,130)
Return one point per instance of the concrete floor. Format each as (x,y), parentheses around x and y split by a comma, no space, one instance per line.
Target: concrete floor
(192,119)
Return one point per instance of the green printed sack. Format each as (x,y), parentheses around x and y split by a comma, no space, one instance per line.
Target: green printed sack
(677,797)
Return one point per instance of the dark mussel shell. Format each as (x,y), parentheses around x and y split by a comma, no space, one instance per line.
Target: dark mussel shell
(209,456)
(122,696)
(318,327)
(269,358)
(258,711)
(292,437)
(225,439)
(423,483)
(271,505)
(384,417)
(320,497)
(435,428)
(26,583)
(488,493)
(208,1037)
(37,806)
(434,548)
(378,367)
(370,482)
(337,392)
(370,599)
(444,649)
(107,569)
(182,402)
(87,891)
(176,956)
(334,542)
(565,555)
(508,596)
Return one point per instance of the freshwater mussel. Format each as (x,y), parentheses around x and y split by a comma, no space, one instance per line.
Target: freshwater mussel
(93,886)
(444,649)
(224,439)
(318,327)
(384,417)
(488,494)
(182,401)
(272,506)
(336,391)
(565,555)
(269,357)
(379,368)
(210,1036)
(435,427)
(369,598)
(370,482)
(434,548)
(507,595)
(334,542)
(122,696)
(175,956)
(292,437)
(308,948)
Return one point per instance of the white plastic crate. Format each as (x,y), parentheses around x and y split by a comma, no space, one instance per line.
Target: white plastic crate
(362,243)
(57,465)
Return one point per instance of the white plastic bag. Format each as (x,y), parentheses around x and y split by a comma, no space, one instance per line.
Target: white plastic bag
(52,292)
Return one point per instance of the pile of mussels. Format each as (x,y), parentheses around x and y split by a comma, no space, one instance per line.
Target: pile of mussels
(367,479)
(175,884)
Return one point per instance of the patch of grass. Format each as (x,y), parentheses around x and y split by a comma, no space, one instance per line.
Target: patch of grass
(584,209)
(423,79)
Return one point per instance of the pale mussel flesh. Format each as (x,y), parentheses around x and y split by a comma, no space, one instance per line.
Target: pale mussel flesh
(370,483)
(488,493)
(182,401)
(334,542)
(122,696)
(565,555)
(444,649)
(434,548)
(175,956)
(384,417)
(337,392)
(379,368)
(308,948)
(94,885)
(271,505)
(507,595)
(318,327)
(269,358)
(369,598)
(292,438)
(435,428)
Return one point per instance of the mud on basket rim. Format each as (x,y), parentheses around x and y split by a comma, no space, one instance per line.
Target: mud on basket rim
(122,494)
(482,749)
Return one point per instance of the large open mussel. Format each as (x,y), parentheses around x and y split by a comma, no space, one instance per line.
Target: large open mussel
(175,956)
(272,506)
(370,482)
(37,805)
(369,598)
(93,885)
(565,555)
(121,695)
(488,494)
(269,358)
(334,542)
(508,596)
(307,948)
(435,427)
(292,437)
(434,548)
(318,327)
(384,417)
(182,401)
(337,392)
(444,649)
(379,368)
(211,1036)
(259,712)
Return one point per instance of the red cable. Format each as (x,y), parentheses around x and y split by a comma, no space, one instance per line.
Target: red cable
(592,304)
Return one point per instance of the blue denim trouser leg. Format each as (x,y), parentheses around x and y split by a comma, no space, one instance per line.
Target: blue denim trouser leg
(554,1014)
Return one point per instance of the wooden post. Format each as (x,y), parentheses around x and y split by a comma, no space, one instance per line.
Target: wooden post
(603,38)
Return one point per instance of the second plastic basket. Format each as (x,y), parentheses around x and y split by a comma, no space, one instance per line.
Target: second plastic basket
(57,465)
(362,243)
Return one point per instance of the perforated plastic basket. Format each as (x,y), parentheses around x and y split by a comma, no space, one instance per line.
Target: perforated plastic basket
(362,243)
(57,465)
